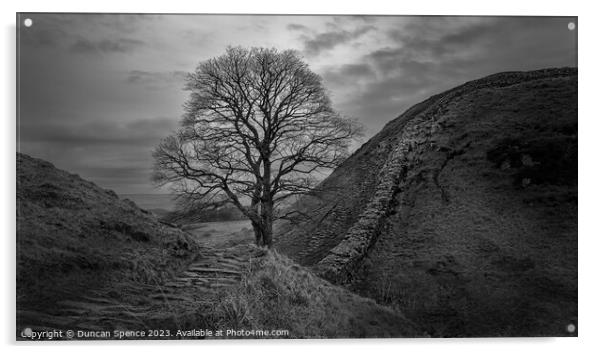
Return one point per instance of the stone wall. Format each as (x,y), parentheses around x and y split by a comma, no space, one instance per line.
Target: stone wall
(341,261)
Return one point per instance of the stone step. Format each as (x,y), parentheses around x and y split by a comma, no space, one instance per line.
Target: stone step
(138,303)
(90,306)
(172,297)
(221,284)
(211,270)
(226,266)
(176,284)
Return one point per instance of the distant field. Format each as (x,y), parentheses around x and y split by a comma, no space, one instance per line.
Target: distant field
(151,201)
(216,233)
(222,233)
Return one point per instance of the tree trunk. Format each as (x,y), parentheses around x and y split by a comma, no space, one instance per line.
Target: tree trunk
(267,202)
(267,235)
(258,233)
(267,218)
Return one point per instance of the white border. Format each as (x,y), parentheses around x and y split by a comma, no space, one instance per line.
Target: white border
(589,171)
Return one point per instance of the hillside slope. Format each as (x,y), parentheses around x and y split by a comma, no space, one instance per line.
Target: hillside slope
(91,261)
(73,236)
(277,293)
(462,212)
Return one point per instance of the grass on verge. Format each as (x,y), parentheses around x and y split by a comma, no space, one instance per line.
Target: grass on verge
(277,294)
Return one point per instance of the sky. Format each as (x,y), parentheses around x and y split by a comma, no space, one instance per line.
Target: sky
(97,92)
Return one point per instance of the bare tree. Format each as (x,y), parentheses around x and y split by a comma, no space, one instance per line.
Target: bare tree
(258,128)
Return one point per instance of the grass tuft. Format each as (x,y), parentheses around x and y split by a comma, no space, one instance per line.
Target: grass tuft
(275,293)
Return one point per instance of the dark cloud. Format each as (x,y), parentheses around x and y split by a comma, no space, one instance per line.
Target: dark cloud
(297,27)
(114,155)
(495,40)
(69,107)
(431,55)
(124,24)
(121,45)
(156,78)
(196,38)
(143,132)
(45,32)
(327,40)
(35,38)
(348,73)
(84,46)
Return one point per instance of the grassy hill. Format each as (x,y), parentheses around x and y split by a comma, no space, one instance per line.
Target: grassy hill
(462,212)
(73,236)
(89,260)
(277,293)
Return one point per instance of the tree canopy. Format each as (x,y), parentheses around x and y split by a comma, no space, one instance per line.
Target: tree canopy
(258,128)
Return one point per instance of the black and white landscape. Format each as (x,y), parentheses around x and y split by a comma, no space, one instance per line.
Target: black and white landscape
(252,176)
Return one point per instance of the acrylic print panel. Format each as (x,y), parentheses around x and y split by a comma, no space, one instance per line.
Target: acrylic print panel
(252,176)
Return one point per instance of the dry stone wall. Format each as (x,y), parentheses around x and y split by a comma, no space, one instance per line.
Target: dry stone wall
(341,261)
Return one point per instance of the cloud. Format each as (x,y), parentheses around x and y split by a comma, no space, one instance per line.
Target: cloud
(121,45)
(429,55)
(88,116)
(155,80)
(297,27)
(35,38)
(519,43)
(116,155)
(143,132)
(45,32)
(313,46)
(348,74)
